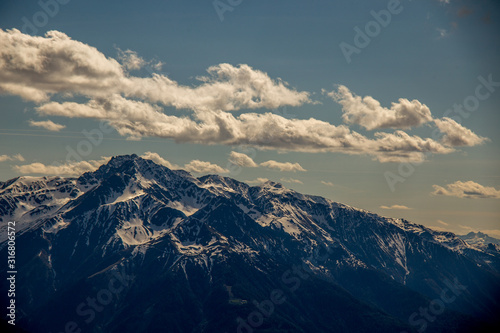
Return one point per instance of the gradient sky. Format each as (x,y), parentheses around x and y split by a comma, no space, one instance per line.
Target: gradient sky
(431,51)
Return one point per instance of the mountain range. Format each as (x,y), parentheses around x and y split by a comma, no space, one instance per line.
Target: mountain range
(137,247)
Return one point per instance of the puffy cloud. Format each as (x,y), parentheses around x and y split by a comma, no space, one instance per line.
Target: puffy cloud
(287,166)
(48,125)
(399,207)
(78,168)
(457,135)
(291,180)
(267,131)
(468,189)
(159,160)
(17,157)
(327,183)
(36,67)
(242,160)
(400,146)
(68,168)
(368,112)
(130,59)
(197,166)
(226,88)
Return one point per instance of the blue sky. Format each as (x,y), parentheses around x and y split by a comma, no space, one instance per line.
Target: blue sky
(431,54)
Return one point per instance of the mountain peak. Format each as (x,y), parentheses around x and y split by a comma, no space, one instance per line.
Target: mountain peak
(167,228)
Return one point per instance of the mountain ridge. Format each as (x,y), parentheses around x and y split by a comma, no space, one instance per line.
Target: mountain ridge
(134,215)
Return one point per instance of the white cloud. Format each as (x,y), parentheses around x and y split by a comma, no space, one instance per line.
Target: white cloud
(130,59)
(67,169)
(197,166)
(257,181)
(468,189)
(78,168)
(327,183)
(242,160)
(37,67)
(291,180)
(457,135)
(47,124)
(368,112)
(136,119)
(286,166)
(159,160)
(16,157)
(398,207)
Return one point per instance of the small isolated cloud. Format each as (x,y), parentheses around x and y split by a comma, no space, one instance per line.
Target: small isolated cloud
(368,113)
(242,160)
(197,166)
(401,207)
(442,33)
(47,124)
(457,135)
(159,160)
(130,60)
(67,169)
(291,180)
(442,222)
(468,189)
(16,157)
(257,181)
(287,166)
(327,183)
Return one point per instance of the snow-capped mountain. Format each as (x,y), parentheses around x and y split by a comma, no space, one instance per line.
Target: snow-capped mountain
(480,239)
(203,255)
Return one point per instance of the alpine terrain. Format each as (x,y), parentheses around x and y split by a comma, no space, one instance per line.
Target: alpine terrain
(137,247)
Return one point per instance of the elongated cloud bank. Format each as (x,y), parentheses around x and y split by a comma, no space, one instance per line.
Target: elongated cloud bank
(400,207)
(17,157)
(47,124)
(50,70)
(66,169)
(468,189)
(37,67)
